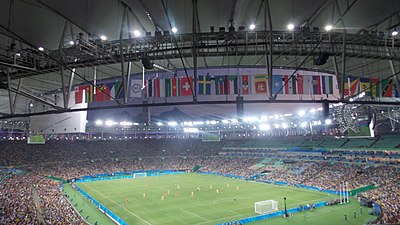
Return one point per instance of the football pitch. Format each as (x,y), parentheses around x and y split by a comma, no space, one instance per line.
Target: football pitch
(193,198)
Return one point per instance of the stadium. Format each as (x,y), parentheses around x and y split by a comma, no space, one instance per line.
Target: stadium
(203,112)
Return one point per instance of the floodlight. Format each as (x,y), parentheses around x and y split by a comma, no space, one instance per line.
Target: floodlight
(225,121)
(252,26)
(395,32)
(136,33)
(302,113)
(159,124)
(264,127)
(99,122)
(190,130)
(103,37)
(41,49)
(328,121)
(328,27)
(125,123)
(284,125)
(312,110)
(303,124)
(174,30)
(290,26)
(109,123)
(71,42)
(277,126)
(172,124)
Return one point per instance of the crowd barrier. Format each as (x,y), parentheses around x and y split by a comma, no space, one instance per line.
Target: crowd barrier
(271,215)
(362,189)
(102,208)
(300,186)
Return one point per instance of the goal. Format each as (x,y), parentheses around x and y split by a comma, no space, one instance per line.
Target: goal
(136,175)
(267,206)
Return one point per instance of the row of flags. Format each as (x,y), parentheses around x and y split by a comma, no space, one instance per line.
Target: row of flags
(208,85)
(374,87)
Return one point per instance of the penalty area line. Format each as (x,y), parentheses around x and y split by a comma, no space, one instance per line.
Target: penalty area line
(118,204)
(194,214)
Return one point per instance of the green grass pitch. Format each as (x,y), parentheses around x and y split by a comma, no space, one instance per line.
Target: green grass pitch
(125,197)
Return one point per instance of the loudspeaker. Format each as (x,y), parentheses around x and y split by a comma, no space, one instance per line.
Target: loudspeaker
(231,29)
(212,29)
(320,59)
(222,29)
(239,107)
(325,107)
(147,64)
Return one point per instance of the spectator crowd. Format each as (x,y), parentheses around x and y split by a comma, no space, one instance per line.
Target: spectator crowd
(32,198)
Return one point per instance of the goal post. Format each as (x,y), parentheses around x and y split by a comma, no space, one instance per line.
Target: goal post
(265,207)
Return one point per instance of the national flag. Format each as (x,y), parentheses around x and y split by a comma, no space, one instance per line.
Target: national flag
(232,85)
(136,88)
(186,86)
(88,93)
(176,86)
(162,87)
(110,86)
(204,85)
(102,94)
(260,84)
(220,85)
(365,85)
(150,88)
(285,84)
(78,94)
(375,90)
(352,85)
(156,88)
(245,87)
(307,84)
(327,84)
(387,87)
(316,82)
(293,86)
(300,86)
(277,84)
(119,89)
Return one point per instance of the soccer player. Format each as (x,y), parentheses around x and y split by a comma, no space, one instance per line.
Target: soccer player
(192,194)
(217,191)
(162,197)
(144,195)
(126,201)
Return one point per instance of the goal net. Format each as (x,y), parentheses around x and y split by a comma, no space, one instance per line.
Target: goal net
(136,175)
(267,206)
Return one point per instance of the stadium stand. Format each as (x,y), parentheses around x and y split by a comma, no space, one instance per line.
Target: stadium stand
(72,159)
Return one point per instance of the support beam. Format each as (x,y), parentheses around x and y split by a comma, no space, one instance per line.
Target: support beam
(194,49)
(63,89)
(393,68)
(270,63)
(121,48)
(343,77)
(9,91)
(70,83)
(18,90)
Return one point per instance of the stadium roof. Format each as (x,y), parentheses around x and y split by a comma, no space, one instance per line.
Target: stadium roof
(53,24)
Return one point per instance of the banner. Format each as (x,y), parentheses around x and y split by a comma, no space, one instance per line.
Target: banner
(136,88)
(260,84)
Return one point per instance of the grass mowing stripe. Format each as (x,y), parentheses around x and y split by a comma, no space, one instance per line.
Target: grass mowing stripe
(118,204)
(194,214)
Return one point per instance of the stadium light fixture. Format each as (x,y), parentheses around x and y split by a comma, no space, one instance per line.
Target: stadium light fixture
(225,121)
(188,123)
(290,26)
(103,38)
(159,124)
(252,26)
(312,110)
(190,130)
(328,27)
(234,121)
(125,123)
(99,122)
(328,121)
(41,49)
(213,122)
(136,33)
(395,32)
(264,127)
(109,123)
(71,42)
(320,109)
(284,125)
(172,124)
(277,126)
(264,118)
(276,116)
(303,124)
(198,123)
(250,119)
(174,30)
(302,113)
